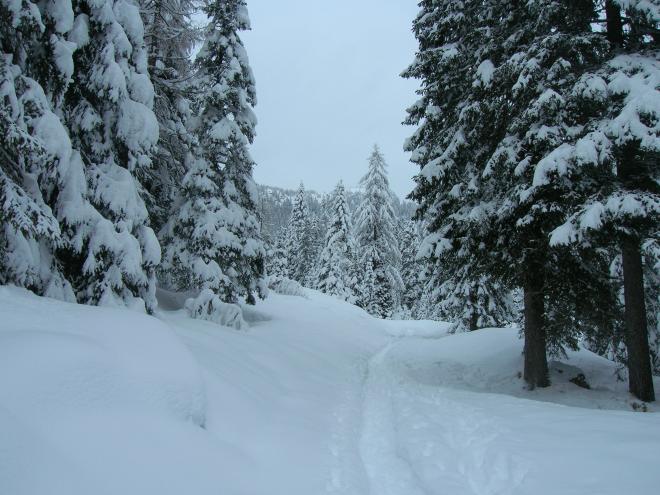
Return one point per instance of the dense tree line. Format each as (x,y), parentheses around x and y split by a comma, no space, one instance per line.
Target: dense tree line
(364,254)
(123,159)
(537,142)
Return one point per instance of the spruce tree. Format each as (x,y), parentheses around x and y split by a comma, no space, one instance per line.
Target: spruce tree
(225,130)
(409,239)
(30,231)
(379,257)
(112,252)
(41,174)
(277,261)
(213,242)
(611,163)
(300,248)
(455,41)
(336,267)
(170,36)
(492,108)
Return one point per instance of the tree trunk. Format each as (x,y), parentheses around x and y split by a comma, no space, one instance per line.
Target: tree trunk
(640,376)
(536,362)
(614,23)
(474,316)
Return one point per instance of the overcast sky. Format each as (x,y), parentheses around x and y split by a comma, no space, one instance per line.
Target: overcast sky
(328,88)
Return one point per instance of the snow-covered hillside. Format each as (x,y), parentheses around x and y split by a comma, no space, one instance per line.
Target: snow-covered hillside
(316,397)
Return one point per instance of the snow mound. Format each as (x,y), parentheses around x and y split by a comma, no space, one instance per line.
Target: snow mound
(491,360)
(286,287)
(208,306)
(57,356)
(417,328)
(98,400)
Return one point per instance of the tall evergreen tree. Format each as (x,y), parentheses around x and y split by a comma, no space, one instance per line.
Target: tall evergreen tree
(213,241)
(278,257)
(379,257)
(336,268)
(300,248)
(611,163)
(454,39)
(225,129)
(492,108)
(111,257)
(30,231)
(43,180)
(170,36)
(409,239)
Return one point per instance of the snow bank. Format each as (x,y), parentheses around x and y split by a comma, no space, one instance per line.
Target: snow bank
(99,401)
(416,328)
(491,360)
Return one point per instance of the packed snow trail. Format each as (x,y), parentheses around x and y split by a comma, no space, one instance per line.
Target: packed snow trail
(462,440)
(390,473)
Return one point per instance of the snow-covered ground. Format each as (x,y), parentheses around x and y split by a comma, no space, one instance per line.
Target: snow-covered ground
(316,397)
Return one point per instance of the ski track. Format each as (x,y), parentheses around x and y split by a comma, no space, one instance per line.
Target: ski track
(387,467)
(396,436)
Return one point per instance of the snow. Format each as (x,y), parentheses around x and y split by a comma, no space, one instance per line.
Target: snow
(61,13)
(485,73)
(315,397)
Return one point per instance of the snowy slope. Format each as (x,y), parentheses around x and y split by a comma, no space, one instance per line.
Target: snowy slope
(317,397)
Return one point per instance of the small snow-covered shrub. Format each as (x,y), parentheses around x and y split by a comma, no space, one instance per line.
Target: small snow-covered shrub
(286,286)
(208,306)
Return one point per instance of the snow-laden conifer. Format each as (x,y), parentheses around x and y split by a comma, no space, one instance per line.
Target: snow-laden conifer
(277,261)
(214,239)
(495,75)
(454,66)
(299,247)
(225,129)
(39,170)
(107,108)
(170,35)
(378,252)
(610,162)
(336,266)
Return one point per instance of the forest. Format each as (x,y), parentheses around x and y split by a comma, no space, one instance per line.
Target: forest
(127,182)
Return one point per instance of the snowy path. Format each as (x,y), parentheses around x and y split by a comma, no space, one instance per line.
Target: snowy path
(460,439)
(389,471)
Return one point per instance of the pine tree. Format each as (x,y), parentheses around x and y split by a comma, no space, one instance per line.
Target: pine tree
(225,129)
(300,253)
(41,174)
(277,261)
(170,37)
(316,238)
(111,253)
(336,268)
(612,165)
(30,231)
(454,39)
(379,257)
(492,109)
(214,242)
(194,237)
(651,250)
(409,240)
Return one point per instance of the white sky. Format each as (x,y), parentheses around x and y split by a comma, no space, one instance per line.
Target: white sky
(328,88)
